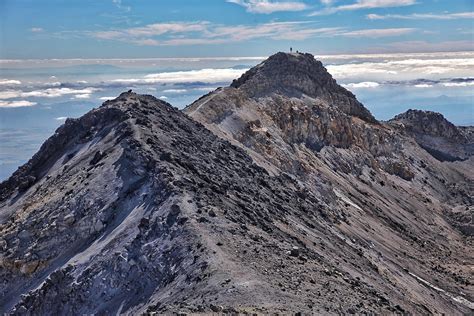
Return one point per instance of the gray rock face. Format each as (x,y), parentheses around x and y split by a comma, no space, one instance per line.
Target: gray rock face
(437,135)
(429,123)
(296,75)
(296,206)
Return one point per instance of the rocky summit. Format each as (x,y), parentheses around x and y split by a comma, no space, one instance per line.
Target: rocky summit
(278,194)
(437,135)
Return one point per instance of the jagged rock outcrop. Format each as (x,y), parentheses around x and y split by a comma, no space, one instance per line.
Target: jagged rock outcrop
(441,138)
(301,205)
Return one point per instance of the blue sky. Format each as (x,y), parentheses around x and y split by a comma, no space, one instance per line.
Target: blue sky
(191,28)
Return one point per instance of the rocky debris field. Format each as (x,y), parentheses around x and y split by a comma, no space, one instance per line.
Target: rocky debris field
(278,194)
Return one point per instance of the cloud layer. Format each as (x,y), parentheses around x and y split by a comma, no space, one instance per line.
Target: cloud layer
(202,75)
(205,33)
(7,82)
(364,4)
(423,16)
(267,6)
(363,71)
(16,104)
(376,33)
(46,93)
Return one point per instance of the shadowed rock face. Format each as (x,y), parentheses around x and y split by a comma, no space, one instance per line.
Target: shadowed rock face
(438,136)
(429,123)
(297,206)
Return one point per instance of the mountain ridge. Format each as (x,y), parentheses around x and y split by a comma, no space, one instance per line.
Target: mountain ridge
(249,203)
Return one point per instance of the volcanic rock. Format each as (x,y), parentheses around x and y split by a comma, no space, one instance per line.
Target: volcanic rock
(282,183)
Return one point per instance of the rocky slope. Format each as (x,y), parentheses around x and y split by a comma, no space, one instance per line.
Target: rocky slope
(382,174)
(304,203)
(135,206)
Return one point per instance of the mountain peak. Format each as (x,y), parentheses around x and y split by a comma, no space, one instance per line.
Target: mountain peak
(433,132)
(298,66)
(299,75)
(129,100)
(127,106)
(428,122)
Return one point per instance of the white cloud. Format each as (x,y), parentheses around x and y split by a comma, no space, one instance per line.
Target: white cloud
(7,82)
(163,97)
(82,96)
(140,34)
(363,85)
(458,84)
(417,83)
(16,104)
(203,32)
(371,4)
(106,98)
(175,91)
(36,29)
(146,42)
(267,6)
(364,4)
(52,84)
(202,75)
(46,93)
(303,34)
(423,16)
(376,33)
(206,33)
(61,118)
(10,94)
(390,68)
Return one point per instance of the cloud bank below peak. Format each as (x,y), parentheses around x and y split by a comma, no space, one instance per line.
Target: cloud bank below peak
(364,71)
